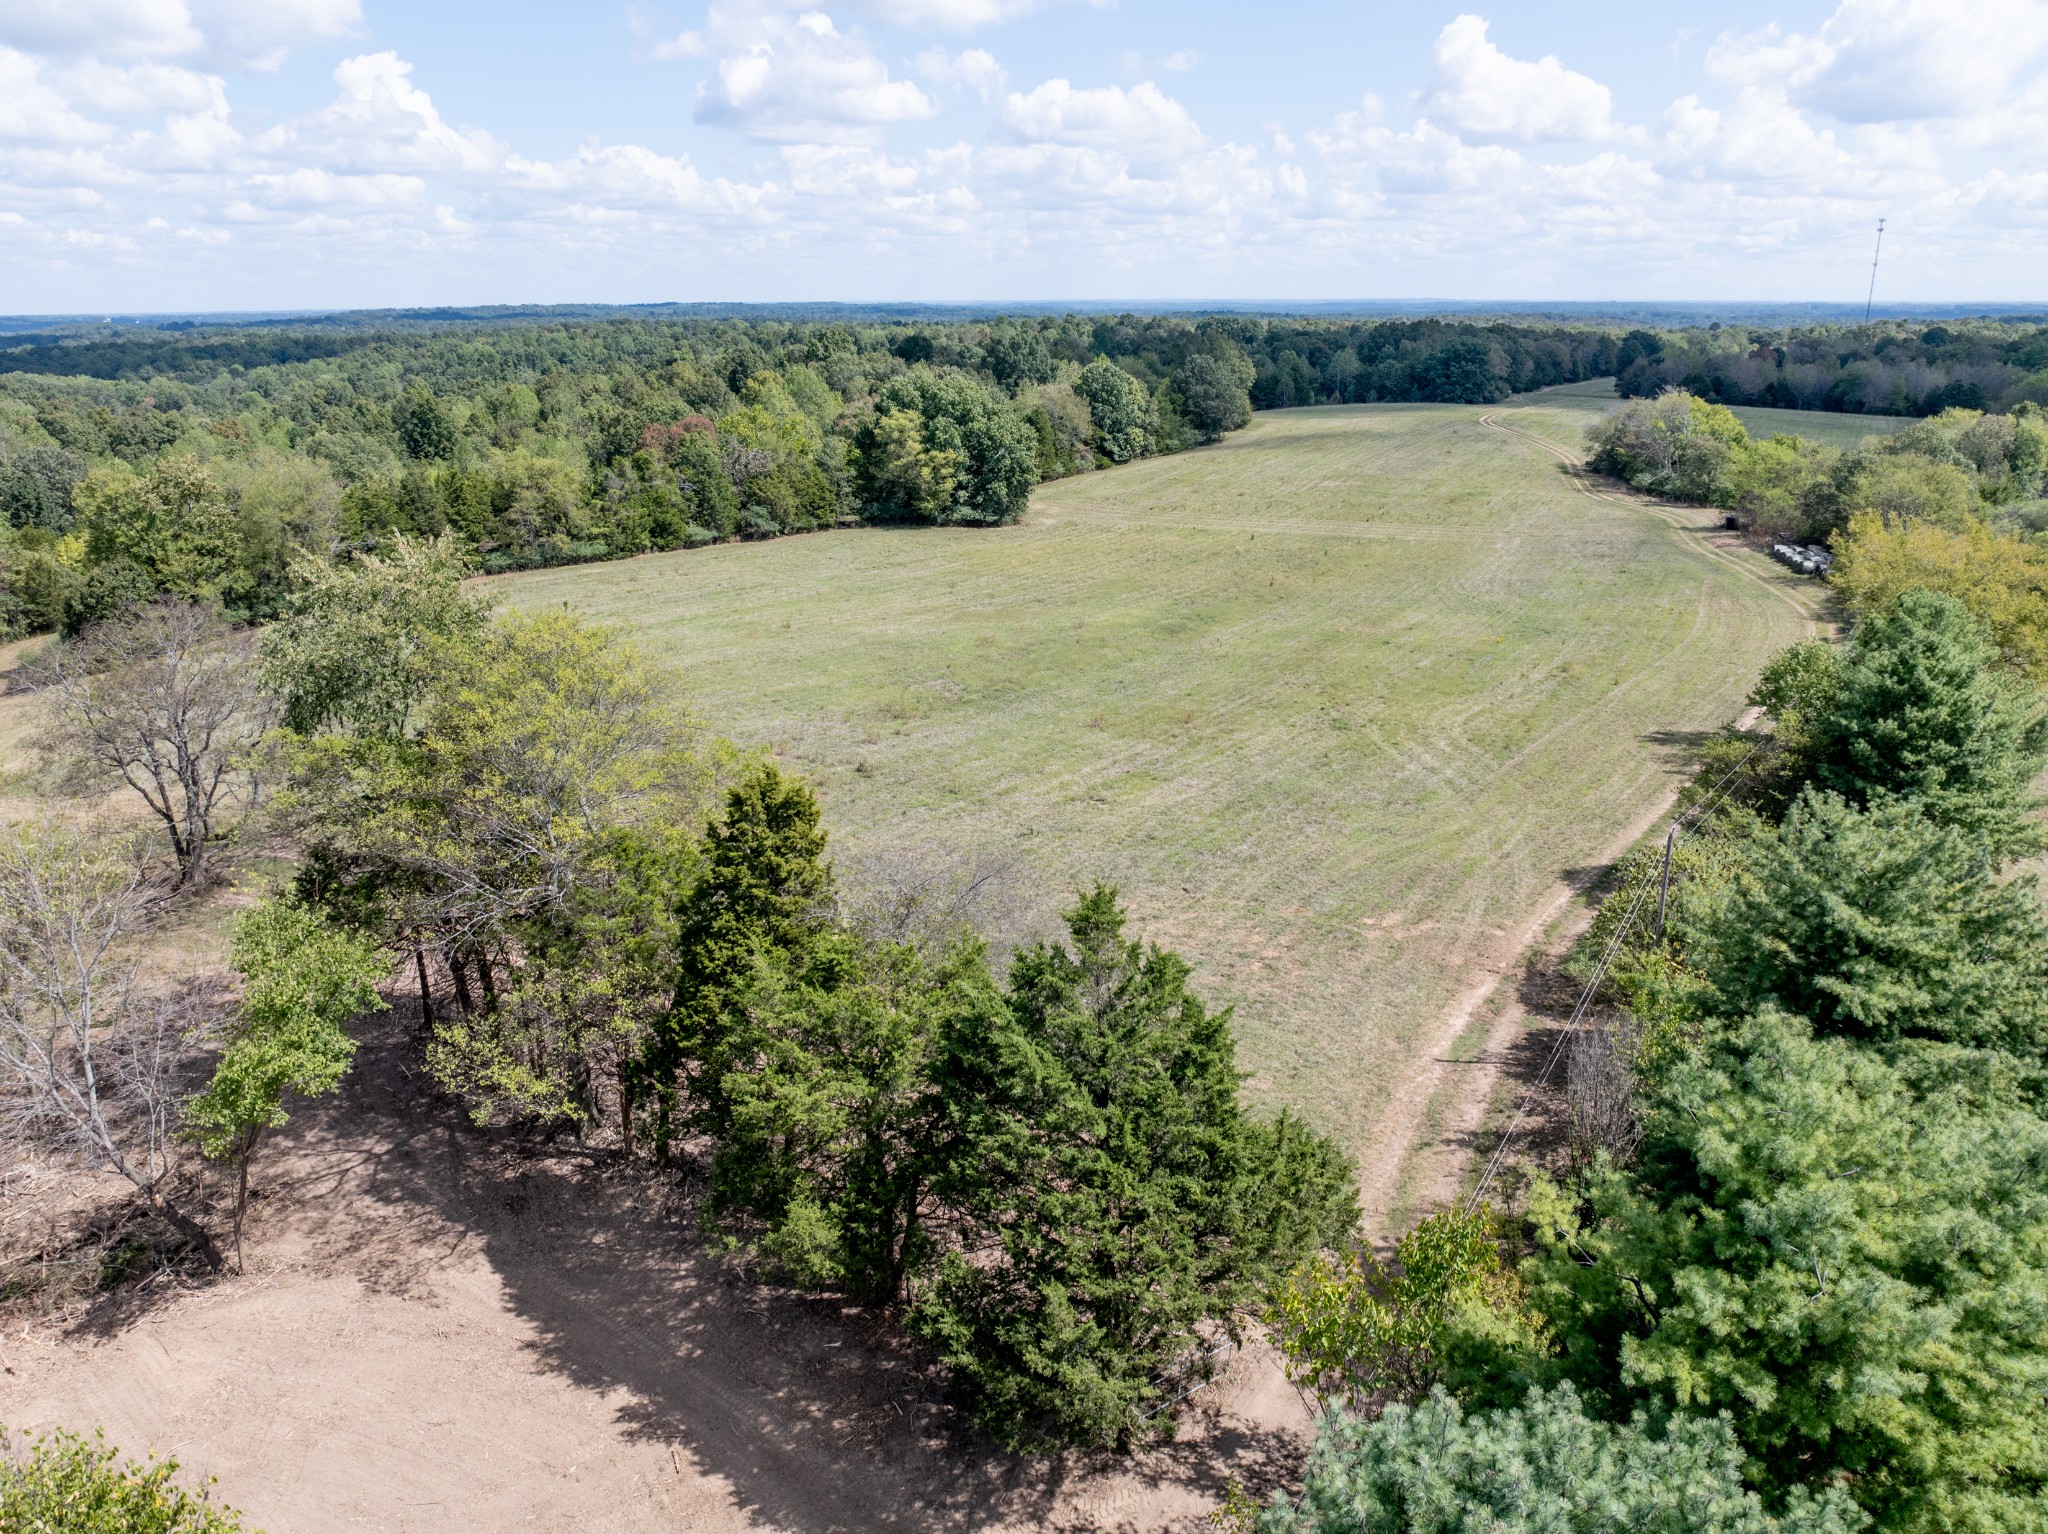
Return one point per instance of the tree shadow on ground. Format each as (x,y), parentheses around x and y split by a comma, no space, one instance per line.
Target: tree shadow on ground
(818,1414)
(1680,749)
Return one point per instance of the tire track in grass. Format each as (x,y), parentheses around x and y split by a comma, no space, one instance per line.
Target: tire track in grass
(1384,1172)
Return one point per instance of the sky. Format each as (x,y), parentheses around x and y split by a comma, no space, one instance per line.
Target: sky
(206,155)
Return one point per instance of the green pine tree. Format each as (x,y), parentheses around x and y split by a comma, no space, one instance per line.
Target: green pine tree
(1880,924)
(1844,1248)
(1112,1200)
(765,890)
(1921,710)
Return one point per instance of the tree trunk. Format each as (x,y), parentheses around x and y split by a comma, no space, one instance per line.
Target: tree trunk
(241,1204)
(189,1228)
(461,977)
(626,1113)
(488,980)
(419,961)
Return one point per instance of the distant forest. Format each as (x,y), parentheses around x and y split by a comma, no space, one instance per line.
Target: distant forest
(210,459)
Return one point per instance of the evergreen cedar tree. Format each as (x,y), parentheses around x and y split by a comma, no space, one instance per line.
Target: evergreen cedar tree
(764,890)
(1112,1198)
(1058,1175)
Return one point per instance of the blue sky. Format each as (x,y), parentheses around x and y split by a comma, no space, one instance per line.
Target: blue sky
(217,154)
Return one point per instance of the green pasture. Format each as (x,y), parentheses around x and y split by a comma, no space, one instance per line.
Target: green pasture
(1336,702)
(1826,427)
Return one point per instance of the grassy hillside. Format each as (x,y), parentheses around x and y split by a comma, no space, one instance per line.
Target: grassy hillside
(1336,702)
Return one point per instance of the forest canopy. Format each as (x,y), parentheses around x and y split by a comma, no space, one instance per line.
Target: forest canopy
(209,461)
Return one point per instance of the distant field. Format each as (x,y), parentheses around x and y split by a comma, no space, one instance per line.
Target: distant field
(1843,431)
(1336,702)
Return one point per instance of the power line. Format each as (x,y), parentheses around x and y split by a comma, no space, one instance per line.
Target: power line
(1871,296)
(1690,816)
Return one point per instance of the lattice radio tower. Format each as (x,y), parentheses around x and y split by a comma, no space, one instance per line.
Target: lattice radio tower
(1871,296)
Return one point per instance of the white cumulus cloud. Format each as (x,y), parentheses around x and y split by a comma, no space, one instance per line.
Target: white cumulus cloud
(973,69)
(1483,93)
(1144,124)
(952,15)
(1878,61)
(253,33)
(381,121)
(32,107)
(800,80)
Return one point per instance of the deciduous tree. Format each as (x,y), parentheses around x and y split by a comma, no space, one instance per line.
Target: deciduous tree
(168,700)
(303,982)
(88,1058)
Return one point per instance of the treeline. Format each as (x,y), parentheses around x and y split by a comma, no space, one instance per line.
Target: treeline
(542,445)
(1891,368)
(207,464)
(1945,469)
(550,443)
(1952,503)
(623,928)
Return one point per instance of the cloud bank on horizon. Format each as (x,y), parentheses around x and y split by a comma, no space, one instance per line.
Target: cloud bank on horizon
(215,154)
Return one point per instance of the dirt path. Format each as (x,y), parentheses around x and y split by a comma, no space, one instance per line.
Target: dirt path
(446,1334)
(1422,1148)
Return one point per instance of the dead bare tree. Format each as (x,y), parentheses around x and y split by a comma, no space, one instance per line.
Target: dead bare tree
(1600,1090)
(168,700)
(928,895)
(88,1062)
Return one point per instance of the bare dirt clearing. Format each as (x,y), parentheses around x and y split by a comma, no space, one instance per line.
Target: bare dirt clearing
(442,1333)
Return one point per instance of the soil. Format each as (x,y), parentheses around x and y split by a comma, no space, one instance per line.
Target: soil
(447,1331)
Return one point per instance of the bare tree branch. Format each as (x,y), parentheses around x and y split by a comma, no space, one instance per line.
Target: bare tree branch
(167,700)
(88,1063)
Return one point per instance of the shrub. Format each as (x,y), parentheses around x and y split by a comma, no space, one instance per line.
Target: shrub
(63,1484)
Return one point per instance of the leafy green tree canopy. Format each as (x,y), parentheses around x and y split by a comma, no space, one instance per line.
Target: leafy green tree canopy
(175,523)
(423,425)
(943,447)
(1214,395)
(360,643)
(64,1484)
(1121,409)
(303,983)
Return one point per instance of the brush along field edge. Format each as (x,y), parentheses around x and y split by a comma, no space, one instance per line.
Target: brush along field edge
(1339,703)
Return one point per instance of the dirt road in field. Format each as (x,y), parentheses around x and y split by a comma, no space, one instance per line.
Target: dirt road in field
(1422,1149)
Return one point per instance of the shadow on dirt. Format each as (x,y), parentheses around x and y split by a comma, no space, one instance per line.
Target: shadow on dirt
(816,1413)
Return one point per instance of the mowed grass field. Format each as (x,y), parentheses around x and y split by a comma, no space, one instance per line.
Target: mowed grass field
(1829,428)
(1337,703)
